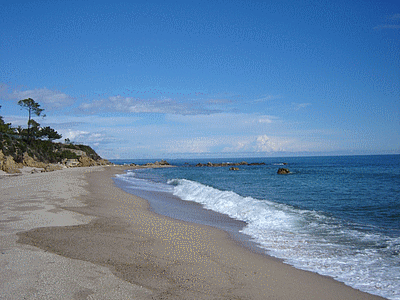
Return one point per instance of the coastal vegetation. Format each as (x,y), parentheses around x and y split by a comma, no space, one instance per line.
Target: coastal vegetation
(37,144)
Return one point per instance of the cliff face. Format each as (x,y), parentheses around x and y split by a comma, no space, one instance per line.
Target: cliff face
(9,165)
(44,151)
(44,156)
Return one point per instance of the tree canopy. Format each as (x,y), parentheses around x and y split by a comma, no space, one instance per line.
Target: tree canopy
(34,130)
(32,107)
(5,127)
(49,133)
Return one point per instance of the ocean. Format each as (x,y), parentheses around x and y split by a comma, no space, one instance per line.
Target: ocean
(338,216)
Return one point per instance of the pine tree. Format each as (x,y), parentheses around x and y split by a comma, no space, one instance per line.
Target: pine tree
(32,107)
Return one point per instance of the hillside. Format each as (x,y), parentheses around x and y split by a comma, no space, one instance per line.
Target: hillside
(16,152)
(33,147)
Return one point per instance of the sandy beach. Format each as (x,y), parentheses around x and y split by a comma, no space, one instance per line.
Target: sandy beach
(72,234)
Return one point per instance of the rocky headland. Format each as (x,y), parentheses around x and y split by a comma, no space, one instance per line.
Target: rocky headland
(229,164)
(33,165)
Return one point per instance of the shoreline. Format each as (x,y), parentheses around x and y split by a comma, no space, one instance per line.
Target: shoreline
(173,259)
(193,212)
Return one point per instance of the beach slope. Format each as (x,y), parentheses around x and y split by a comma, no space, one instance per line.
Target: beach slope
(27,272)
(116,236)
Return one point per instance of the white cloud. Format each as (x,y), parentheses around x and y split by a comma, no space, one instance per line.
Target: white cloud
(16,120)
(266,144)
(94,139)
(48,99)
(232,144)
(76,134)
(265,119)
(261,143)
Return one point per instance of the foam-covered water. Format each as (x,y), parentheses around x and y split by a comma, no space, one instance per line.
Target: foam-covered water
(144,184)
(337,216)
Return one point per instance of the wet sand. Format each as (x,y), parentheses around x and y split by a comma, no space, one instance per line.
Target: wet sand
(160,257)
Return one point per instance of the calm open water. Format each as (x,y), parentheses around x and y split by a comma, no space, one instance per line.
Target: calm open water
(336,216)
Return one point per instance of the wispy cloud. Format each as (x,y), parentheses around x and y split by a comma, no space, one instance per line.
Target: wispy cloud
(392,23)
(217,100)
(265,119)
(135,105)
(193,145)
(49,99)
(298,106)
(387,26)
(265,98)
(233,121)
(394,17)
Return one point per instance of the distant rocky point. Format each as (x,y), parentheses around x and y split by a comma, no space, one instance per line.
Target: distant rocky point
(228,164)
(156,164)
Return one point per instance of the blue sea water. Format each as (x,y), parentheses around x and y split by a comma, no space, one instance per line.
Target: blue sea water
(336,216)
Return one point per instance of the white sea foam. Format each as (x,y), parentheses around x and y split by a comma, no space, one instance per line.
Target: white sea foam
(143,184)
(307,239)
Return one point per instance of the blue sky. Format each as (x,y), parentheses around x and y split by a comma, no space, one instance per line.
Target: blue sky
(166,79)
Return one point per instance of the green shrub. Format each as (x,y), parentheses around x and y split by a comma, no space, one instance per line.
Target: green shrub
(68,154)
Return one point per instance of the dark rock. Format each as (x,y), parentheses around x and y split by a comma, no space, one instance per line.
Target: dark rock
(234,169)
(162,163)
(283,171)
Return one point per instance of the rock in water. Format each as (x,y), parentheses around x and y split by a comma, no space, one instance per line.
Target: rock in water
(283,171)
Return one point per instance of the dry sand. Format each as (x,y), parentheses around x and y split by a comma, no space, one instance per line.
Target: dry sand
(115,248)
(27,272)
